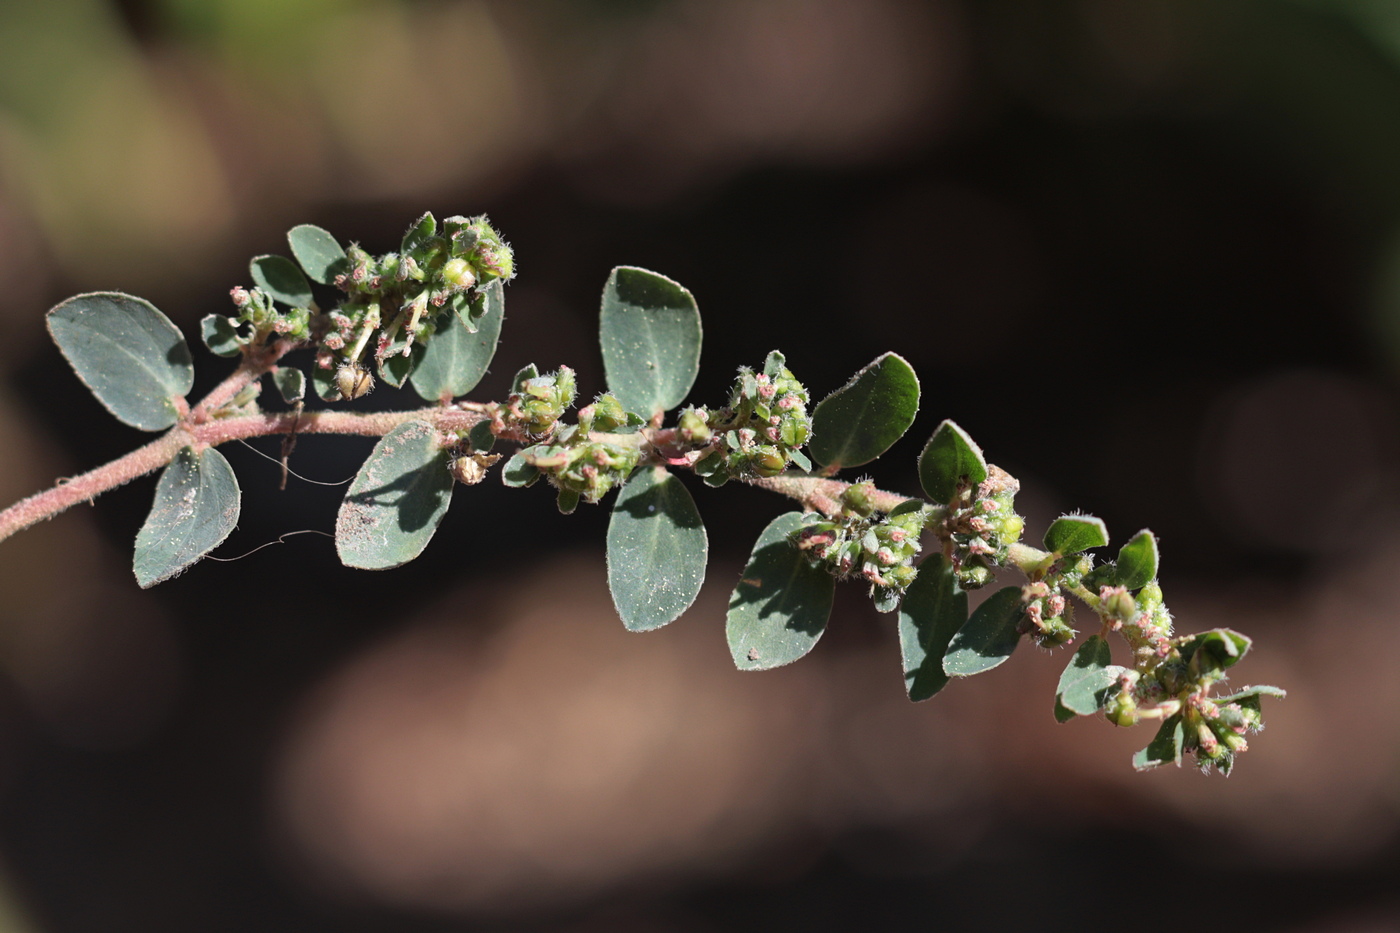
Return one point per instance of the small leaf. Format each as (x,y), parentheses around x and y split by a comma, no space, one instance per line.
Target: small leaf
(528,372)
(1074,533)
(323,381)
(419,233)
(317,252)
(396,368)
(650,334)
(291,382)
(989,637)
(456,358)
(656,550)
(1137,561)
(1219,649)
(780,607)
(1165,748)
(280,278)
(398,498)
(196,506)
(934,608)
(220,336)
(862,419)
(1089,680)
(129,354)
(1249,696)
(481,438)
(950,459)
(519,471)
(567,501)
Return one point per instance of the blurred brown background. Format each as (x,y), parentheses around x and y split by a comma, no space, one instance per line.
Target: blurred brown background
(1146,253)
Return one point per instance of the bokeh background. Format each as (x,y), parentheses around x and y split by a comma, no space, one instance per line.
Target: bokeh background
(1145,252)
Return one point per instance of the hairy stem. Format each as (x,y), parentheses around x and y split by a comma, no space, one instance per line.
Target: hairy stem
(212,433)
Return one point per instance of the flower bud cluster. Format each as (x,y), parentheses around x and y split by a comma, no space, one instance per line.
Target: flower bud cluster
(981,524)
(1049,616)
(583,467)
(264,320)
(533,410)
(397,302)
(866,543)
(761,430)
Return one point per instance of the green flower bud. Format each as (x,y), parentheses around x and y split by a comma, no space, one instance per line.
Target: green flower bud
(856,498)
(767,461)
(457,273)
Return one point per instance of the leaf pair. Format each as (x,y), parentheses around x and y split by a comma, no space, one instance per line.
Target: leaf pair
(138,366)
(650,335)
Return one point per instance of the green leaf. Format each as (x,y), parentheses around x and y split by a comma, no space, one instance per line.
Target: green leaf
(456,358)
(419,233)
(1074,533)
(567,500)
(280,278)
(318,253)
(397,499)
(780,607)
(1165,748)
(1249,696)
(1137,561)
(650,334)
(323,381)
(396,368)
(196,506)
(656,550)
(1218,649)
(862,419)
(527,372)
(129,354)
(481,438)
(950,459)
(1089,680)
(989,637)
(291,382)
(934,608)
(519,471)
(220,336)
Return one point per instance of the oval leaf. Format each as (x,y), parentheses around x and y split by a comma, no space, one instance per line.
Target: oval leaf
(933,610)
(317,252)
(863,418)
(129,354)
(656,550)
(396,501)
(1089,680)
(780,607)
(280,278)
(196,506)
(1216,650)
(220,335)
(1165,747)
(456,358)
(1137,561)
(989,637)
(1074,533)
(291,382)
(950,460)
(520,470)
(650,334)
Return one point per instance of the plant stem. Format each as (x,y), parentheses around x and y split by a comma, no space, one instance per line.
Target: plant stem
(819,494)
(257,362)
(212,433)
